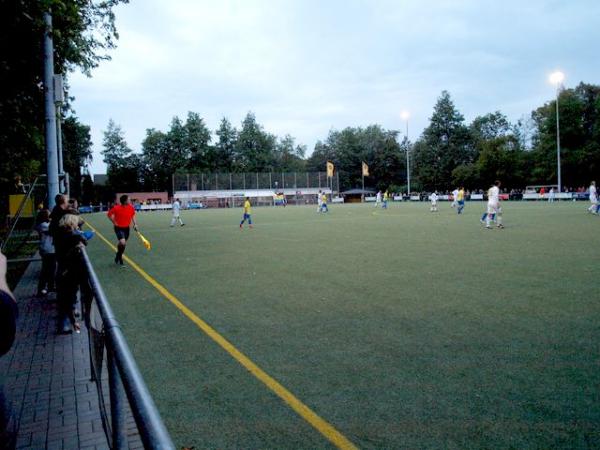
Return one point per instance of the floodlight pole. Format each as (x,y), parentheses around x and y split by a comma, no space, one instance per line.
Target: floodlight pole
(407,162)
(50,110)
(558,140)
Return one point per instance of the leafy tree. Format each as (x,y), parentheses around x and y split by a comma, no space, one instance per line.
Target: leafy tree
(489,126)
(225,147)
(254,147)
(444,145)
(289,157)
(197,141)
(348,148)
(155,149)
(123,167)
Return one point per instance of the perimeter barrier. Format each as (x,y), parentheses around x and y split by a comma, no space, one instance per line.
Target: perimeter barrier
(111,362)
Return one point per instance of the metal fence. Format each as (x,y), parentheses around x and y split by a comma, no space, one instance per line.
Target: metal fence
(112,362)
(254,180)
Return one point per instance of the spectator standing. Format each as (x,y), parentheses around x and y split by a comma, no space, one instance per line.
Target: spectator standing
(46,249)
(68,242)
(59,210)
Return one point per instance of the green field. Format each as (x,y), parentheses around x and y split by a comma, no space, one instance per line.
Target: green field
(400,328)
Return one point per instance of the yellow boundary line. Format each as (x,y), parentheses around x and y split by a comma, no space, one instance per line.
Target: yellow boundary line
(326,429)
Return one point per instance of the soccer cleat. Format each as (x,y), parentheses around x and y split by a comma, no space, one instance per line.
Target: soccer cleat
(488,227)
(500,226)
(183,224)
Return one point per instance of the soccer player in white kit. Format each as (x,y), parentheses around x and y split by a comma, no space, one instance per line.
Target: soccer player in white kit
(176,213)
(494,208)
(319,201)
(593,198)
(551,195)
(433,198)
(454,196)
(378,199)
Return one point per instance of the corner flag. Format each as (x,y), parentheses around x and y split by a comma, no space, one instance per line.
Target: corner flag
(365,169)
(330,169)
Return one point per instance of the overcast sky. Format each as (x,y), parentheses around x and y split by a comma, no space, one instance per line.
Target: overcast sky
(307,66)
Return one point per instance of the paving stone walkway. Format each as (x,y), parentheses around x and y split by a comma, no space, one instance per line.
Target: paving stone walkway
(47,384)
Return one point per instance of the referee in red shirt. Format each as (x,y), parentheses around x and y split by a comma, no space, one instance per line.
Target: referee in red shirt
(121,216)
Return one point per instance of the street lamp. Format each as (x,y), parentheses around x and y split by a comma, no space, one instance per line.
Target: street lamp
(557,78)
(405,115)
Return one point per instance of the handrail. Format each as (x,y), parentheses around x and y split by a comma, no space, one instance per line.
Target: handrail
(151,428)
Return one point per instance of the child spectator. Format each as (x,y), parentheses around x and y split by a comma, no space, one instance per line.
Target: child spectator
(46,248)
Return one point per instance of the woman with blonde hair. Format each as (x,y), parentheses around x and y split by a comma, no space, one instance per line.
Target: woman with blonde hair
(68,242)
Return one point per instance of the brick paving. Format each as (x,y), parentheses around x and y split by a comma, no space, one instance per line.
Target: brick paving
(47,384)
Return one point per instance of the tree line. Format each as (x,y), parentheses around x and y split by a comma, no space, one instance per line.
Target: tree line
(450,152)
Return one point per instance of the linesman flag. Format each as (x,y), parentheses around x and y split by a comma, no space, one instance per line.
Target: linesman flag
(330,169)
(365,169)
(145,241)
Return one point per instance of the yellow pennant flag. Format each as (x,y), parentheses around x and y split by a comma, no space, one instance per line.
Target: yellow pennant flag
(365,169)
(329,169)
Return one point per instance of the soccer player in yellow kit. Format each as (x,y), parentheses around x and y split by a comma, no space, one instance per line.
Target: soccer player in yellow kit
(461,200)
(247,212)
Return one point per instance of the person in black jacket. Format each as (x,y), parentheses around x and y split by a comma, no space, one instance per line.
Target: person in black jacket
(59,210)
(68,241)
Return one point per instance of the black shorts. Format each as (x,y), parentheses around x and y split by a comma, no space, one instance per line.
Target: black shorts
(122,233)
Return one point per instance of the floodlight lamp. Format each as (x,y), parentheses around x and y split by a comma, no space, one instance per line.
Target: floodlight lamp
(556,78)
(404,115)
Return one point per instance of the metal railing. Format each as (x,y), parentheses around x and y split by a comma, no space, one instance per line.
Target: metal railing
(125,381)
(14,220)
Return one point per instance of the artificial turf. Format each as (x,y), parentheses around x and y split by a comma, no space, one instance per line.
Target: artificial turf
(401,328)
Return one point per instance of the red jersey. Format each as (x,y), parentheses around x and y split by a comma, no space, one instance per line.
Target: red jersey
(121,215)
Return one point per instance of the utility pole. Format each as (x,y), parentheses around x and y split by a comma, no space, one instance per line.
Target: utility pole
(50,109)
(59,98)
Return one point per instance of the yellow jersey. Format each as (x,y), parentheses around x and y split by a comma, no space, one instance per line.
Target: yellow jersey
(324,198)
(247,207)
(461,195)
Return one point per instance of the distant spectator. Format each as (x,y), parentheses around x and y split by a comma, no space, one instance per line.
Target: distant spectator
(19,187)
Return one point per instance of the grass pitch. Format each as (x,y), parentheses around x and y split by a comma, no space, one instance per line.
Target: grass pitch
(401,328)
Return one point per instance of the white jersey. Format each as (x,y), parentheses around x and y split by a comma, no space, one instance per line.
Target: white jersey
(493,195)
(319,199)
(176,208)
(455,194)
(434,198)
(593,194)
(379,197)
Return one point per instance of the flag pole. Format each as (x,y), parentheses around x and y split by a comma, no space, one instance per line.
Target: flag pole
(363,189)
